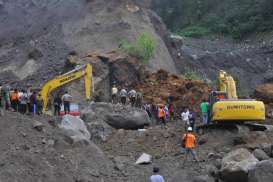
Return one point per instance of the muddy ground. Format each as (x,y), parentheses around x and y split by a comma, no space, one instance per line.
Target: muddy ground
(47,155)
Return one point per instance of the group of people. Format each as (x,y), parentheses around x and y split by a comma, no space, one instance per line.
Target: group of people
(23,101)
(167,112)
(64,100)
(124,96)
(29,101)
(188,117)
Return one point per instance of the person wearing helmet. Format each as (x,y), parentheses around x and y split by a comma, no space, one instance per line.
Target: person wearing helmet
(189,142)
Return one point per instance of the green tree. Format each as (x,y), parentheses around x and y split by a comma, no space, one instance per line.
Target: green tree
(237,18)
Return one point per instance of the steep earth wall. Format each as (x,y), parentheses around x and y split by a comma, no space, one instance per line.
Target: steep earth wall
(37,35)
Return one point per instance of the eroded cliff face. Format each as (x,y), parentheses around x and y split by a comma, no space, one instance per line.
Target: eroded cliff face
(250,62)
(36,36)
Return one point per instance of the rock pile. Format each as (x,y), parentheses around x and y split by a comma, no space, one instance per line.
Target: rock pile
(156,88)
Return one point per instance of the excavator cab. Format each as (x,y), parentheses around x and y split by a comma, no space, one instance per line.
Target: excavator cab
(215,96)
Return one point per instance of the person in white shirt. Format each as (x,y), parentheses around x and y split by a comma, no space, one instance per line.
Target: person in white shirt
(185,118)
(66,98)
(114,94)
(156,177)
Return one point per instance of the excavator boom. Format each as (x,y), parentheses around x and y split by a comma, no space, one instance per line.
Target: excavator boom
(84,71)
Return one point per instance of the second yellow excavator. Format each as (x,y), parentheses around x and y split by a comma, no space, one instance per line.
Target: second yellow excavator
(225,105)
(83,71)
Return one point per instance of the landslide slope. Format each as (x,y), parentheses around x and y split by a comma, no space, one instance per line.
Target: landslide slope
(36,35)
(32,155)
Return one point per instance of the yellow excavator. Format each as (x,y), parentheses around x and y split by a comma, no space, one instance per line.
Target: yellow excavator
(225,105)
(80,72)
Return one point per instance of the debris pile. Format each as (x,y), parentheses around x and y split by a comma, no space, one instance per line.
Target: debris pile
(265,93)
(157,87)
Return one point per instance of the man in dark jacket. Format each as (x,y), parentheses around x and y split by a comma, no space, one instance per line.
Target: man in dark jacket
(57,105)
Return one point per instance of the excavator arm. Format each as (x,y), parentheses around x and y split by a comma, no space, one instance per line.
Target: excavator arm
(227,84)
(84,71)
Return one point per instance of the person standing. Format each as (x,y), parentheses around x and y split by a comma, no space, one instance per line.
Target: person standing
(29,106)
(171,111)
(161,115)
(20,93)
(33,103)
(204,107)
(132,97)
(192,119)
(23,102)
(40,104)
(57,105)
(14,99)
(147,108)
(123,96)
(166,111)
(156,177)
(189,142)
(5,97)
(185,118)
(114,94)
(139,97)
(66,98)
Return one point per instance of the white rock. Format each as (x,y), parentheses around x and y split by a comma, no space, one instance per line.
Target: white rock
(144,159)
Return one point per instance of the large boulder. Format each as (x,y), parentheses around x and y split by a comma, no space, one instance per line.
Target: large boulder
(262,172)
(103,118)
(132,119)
(203,178)
(236,164)
(95,118)
(117,116)
(75,129)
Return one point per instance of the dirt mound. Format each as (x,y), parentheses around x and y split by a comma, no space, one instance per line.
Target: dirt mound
(265,93)
(157,87)
(28,154)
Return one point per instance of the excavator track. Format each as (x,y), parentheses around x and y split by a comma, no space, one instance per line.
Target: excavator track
(235,125)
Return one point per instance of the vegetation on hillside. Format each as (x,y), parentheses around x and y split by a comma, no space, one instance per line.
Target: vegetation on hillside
(201,17)
(193,75)
(143,48)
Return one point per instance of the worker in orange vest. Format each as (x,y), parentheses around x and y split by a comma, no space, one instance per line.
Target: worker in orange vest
(14,100)
(189,142)
(161,115)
